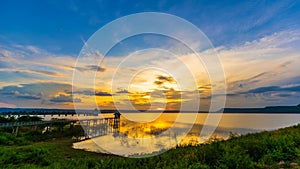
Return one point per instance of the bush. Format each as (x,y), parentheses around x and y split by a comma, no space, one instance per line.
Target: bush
(32,155)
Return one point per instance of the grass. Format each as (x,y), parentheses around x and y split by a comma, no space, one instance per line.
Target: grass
(274,149)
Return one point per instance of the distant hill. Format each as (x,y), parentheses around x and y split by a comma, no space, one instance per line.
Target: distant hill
(268,109)
(35,111)
(45,111)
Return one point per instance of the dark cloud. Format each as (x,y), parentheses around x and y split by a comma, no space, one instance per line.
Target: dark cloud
(18,92)
(273,89)
(64,98)
(36,88)
(89,92)
(83,92)
(32,94)
(293,89)
(232,94)
(277,90)
(94,67)
(91,68)
(158,83)
(124,91)
(284,95)
(263,89)
(163,79)
(99,93)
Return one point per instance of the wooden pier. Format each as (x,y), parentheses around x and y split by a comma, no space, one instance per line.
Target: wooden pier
(100,127)
(52,112)
(93,127)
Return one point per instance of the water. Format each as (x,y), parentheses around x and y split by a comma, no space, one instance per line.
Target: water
(146,133)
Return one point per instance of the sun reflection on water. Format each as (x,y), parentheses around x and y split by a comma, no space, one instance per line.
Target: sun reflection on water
(141,137)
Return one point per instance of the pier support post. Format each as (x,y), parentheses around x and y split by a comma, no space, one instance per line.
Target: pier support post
(16,131)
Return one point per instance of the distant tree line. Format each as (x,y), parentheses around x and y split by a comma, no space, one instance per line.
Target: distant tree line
(19,119)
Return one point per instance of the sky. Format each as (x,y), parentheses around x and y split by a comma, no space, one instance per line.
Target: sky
(258,43)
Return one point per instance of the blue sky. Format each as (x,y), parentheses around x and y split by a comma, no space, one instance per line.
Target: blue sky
(258,43)
(60,26)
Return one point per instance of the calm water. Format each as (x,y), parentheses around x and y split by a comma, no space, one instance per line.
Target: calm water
(147,133)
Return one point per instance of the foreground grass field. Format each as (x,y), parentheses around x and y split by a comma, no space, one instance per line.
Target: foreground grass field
(274,149)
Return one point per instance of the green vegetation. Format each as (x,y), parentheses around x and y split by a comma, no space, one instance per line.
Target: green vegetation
(29,134)
(274,149)
(19,119)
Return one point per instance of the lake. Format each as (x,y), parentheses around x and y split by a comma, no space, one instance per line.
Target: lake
(146,134)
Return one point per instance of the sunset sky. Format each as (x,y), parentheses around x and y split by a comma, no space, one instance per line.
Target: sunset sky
(258,43)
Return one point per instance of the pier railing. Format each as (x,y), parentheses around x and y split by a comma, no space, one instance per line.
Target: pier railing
(29,123)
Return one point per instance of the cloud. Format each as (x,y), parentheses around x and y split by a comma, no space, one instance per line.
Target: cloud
(161,79)
(91,68)
(45,72)
(89,92)
(28,96)
(263,89)
(100,93)
(264,96)
(266,89)
(269,13)
(271,62)
(31,94)
(273,89)
(23,95)
(30,48)
(165,78)
(283,95)
(64,98)
(7,105)
(124,91)
(42,72)
(86,92)
(47,88)
(36,63)
(18,92)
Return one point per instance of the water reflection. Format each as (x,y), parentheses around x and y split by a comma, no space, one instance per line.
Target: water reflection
(136,138)
(142,136)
